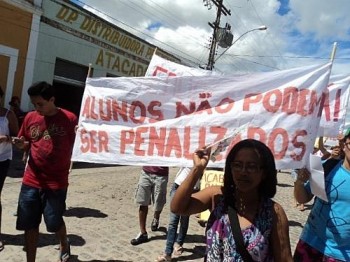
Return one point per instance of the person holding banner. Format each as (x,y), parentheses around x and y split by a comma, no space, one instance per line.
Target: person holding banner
(245,224)
(326,233)
(48,135)
(174,219)
(152,187)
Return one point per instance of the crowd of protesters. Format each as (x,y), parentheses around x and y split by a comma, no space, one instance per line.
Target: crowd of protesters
(245,223)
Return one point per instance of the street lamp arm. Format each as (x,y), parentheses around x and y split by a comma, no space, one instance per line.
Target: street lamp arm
(262,28)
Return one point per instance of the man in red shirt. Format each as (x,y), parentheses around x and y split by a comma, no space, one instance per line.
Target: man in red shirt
(47,134)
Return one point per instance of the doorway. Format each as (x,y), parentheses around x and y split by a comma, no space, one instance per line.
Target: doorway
(68,96)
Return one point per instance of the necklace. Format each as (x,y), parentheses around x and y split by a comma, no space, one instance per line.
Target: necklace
(241,207)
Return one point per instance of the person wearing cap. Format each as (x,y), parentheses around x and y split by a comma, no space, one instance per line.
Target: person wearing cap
(326,234)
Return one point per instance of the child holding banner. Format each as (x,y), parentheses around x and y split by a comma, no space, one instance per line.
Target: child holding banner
(244,203)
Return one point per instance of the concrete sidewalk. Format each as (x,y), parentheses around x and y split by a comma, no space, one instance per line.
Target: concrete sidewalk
(102,218)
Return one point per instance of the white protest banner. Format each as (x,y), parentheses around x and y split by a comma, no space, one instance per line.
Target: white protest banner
(335,105)
(162,121)
(159,66)
(221,145)
(334,100)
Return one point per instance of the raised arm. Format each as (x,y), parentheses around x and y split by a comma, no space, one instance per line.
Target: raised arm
(186,203)
(301,195)
(324,151)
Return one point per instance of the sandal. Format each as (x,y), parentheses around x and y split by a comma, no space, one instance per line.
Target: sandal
(64,256)
(2,246)
(302,208)
(178,250)
(163,258)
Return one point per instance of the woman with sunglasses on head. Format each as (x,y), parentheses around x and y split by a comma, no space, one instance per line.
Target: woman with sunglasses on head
(250,181)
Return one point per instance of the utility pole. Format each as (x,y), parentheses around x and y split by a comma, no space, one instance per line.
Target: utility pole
(216,27)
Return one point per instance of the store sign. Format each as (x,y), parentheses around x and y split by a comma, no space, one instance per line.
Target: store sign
(115,50)
(102,30)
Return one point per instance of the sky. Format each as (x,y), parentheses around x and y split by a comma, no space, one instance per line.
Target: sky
(298,32)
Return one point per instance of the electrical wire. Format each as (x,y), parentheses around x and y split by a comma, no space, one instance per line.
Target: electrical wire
(141,32)
(185,56)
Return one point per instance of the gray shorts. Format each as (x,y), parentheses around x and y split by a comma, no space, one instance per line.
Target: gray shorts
(151,189)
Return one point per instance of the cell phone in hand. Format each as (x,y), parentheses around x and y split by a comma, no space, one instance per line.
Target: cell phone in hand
(16,139)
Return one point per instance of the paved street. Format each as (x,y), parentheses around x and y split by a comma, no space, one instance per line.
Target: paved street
(102,218)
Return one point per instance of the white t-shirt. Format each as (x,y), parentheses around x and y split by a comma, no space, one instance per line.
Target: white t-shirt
(5,147)
(182,174)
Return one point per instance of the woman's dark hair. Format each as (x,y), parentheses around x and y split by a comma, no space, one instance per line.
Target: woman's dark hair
(268,186)
(43,89)
(1,92)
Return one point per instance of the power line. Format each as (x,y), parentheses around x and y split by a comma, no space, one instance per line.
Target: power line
(239,24)
(141,32)
(290,57)
(144,11)
(185,56)
(221,9)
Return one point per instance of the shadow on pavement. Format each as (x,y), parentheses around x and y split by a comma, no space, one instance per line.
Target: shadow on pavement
(74,258)
(157,237)
(284,185)
(80,165)
(197,253)
(45,239)
(162,229)
(81,212)
(195,238)
(17,166)
(292,223)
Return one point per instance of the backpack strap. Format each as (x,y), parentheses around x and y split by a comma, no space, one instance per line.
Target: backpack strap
(237,235)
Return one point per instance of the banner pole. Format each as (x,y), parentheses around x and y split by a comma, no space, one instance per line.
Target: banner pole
(155,51)
(89,70)
(332,60)
(76,128)
(333,51)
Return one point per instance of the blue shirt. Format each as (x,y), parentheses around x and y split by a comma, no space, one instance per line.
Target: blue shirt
(328,226)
